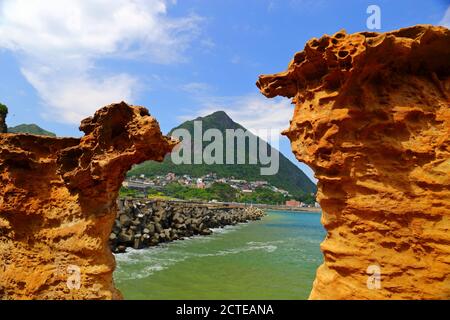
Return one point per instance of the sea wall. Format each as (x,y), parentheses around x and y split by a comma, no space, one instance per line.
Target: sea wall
(372,118)
(144,223)
(58,203)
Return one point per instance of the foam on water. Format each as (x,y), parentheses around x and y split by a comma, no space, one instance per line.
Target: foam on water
(227,229)
(154,263)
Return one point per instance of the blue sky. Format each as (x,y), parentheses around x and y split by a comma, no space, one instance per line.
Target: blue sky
(62,60)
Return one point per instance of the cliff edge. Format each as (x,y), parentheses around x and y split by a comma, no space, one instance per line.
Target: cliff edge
(372,118)
(58,203)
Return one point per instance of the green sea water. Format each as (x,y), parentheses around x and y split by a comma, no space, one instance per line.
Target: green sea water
(275,258)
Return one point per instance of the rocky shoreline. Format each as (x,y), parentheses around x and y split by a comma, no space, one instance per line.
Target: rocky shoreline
(144,223)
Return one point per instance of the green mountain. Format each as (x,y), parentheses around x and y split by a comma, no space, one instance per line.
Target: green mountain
(289,176)
(31,129)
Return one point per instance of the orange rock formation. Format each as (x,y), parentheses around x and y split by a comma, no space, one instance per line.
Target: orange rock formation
(372,118)
(58,204)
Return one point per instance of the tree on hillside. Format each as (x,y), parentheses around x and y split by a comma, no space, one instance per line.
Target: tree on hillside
(223,192)
(3,110)
(3,113)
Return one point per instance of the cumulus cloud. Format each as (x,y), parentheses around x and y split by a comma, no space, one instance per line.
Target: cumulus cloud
(253,111)
(58,43)
(446,19)
(76,97)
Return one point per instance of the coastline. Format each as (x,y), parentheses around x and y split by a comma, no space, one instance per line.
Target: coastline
(288,208)
(235,204)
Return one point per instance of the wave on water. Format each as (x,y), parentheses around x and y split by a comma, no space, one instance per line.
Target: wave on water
(254,247)
(147,261)
(163,256)
(159,258)
(228,229)
(249,247)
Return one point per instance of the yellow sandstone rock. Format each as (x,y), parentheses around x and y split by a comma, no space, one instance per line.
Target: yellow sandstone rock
(372,118)
(58,204)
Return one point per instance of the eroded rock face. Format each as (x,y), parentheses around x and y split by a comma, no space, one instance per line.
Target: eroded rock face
(372,118)
(58,203)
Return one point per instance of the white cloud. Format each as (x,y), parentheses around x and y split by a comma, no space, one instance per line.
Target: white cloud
(253,111)
(58,43)
(235,59)
(446,19)
(79,97)
(196,88)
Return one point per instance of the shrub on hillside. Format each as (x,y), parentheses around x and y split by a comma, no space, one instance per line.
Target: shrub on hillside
(3,109)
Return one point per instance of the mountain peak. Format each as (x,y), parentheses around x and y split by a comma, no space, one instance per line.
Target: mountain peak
(218,115)
(218,119)
(30,129)
(289,177)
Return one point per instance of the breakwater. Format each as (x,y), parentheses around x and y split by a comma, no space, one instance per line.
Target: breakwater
(143,223)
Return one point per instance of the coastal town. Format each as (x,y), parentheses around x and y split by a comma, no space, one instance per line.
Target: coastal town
(148,185)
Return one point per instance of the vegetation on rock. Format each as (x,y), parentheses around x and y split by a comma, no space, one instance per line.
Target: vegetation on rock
(3,109)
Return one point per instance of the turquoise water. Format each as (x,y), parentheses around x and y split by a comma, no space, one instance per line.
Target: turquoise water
(275,258)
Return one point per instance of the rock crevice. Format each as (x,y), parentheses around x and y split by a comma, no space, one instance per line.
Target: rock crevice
(58,203)
(372,118)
